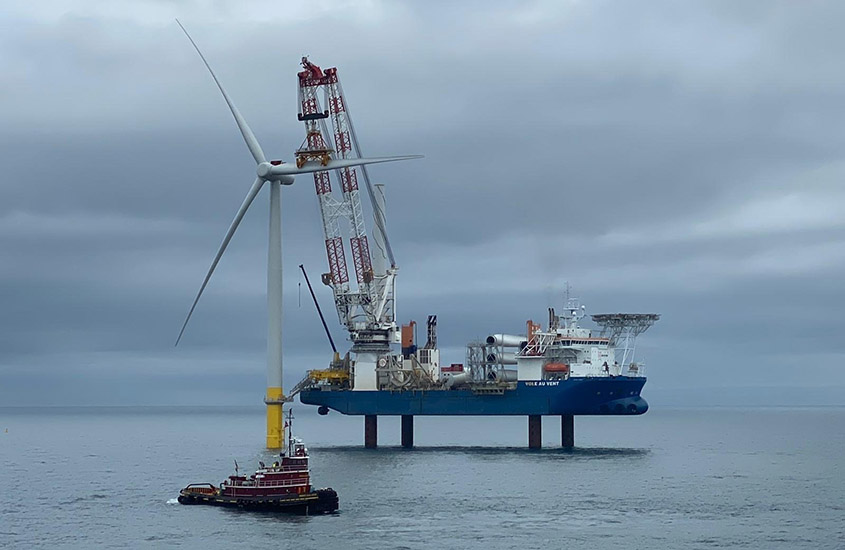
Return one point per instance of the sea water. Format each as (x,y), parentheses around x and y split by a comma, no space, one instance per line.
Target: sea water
(673,478)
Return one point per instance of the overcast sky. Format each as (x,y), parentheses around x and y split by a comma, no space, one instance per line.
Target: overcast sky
(674,157)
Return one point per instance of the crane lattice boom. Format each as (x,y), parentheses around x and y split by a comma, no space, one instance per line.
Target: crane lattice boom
(370,306)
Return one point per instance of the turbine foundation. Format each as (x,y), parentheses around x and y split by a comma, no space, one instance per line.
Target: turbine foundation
(275,420)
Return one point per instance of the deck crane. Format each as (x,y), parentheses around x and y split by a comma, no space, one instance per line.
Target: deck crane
(367,308)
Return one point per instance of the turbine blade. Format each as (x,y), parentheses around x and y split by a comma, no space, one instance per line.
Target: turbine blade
(253,191)
(334,164)
(246,132)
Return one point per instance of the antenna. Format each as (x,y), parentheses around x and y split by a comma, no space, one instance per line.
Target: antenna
(573,310)
(289,426)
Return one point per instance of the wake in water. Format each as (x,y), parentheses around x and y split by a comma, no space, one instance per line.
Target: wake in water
(173,501)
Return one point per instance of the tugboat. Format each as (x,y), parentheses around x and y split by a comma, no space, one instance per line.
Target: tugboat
(284,486)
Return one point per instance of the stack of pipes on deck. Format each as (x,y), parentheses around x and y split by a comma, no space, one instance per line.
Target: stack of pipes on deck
(502,357)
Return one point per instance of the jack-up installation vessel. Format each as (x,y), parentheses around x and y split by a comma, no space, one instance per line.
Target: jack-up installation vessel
(563,369)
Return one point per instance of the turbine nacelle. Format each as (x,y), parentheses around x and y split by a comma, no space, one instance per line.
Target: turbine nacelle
(265,172)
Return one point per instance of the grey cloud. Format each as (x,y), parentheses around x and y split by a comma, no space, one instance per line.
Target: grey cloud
(680,158)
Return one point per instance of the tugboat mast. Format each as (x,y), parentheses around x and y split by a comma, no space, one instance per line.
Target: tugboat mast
(289,426)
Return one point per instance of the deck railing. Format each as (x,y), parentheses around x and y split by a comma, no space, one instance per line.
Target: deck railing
(280,483)
(276,469)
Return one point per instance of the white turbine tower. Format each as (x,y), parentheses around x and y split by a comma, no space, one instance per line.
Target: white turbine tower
(276,174)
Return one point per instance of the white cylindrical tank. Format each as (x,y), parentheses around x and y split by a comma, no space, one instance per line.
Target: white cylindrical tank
(458,379)
(507,340)
(505,358)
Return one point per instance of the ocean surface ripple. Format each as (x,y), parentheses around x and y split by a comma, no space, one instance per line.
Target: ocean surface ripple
(680,478)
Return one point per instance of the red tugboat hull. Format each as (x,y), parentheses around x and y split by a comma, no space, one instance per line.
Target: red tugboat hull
(321,501)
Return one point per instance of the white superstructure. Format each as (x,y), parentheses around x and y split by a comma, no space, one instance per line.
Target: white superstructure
(563,350)
(566,349)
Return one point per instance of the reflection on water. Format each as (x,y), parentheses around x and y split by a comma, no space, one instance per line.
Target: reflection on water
(574,453)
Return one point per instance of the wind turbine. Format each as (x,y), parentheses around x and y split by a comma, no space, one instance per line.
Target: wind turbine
(275,173)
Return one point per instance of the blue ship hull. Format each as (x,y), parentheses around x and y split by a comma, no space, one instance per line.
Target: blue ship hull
(619,395)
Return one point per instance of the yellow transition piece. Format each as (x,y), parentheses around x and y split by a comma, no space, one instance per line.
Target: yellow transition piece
(275,419)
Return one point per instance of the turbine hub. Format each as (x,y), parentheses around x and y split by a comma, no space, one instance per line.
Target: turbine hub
(263,170)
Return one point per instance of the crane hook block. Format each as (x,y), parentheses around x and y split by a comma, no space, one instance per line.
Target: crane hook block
(313,116)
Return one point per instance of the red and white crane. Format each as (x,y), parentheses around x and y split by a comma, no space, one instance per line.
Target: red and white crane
(367,308)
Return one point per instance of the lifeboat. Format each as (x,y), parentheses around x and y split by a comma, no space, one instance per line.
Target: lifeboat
(556,367)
